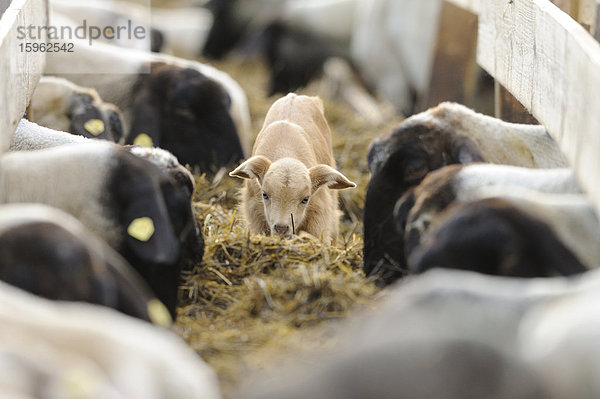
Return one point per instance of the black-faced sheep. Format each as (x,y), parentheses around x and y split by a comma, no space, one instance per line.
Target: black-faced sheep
(115,194)
(447,134)
(177,192)
(180,105)
(420,205)
(493,236)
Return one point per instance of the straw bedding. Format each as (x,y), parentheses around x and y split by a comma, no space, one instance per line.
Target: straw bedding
(256,299)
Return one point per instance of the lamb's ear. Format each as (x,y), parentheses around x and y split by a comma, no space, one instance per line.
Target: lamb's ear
(254,167)
(325,175)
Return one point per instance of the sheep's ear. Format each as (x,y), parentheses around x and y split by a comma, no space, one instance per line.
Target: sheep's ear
(325,175)
(254,167)
(145,128)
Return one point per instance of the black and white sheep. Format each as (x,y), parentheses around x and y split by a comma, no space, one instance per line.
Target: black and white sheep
(496,236)
(235,20)
(178,192)
(50,253)
(420,205)
(393,45)
(62,105)
(447,134)
(296,37)
(456,334)
(115,194)
(195,111)
(181,31)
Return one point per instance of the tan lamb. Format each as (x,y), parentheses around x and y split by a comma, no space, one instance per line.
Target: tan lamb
(292,159)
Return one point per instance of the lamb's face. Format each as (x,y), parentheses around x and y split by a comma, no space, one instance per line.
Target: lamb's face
(286,191)
(286,188)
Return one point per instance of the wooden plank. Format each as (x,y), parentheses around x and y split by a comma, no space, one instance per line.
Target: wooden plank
(454,69)
(551,65)
(509,109)
(19,71)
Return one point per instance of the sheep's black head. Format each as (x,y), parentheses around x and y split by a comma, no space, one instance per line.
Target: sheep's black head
(187,113)
(398,161)
(94,119)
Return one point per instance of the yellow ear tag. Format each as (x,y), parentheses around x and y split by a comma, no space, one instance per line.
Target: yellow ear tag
(143,140)
(141,229)
(94,127)
(158,313)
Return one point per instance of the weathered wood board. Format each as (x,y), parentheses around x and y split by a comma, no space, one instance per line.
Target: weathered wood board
(551,65)
(19,70)
(454,69)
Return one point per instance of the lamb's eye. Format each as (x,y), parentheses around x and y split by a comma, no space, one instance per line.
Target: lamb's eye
(304,201)
(265,196)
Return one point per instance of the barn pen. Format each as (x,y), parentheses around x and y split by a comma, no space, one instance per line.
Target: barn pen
(258,303)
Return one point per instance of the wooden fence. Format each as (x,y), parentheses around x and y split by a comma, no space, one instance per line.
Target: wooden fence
(549,61)
(19,70)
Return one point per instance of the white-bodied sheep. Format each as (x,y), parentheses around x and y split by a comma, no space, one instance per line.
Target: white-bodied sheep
(291,166)
(465,334)
(57,349)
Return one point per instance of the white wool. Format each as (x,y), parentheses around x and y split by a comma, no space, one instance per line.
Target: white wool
(163,158)
(69,177)
(478,176)
(184,29)
(31,136)
(166,161)
(393,46)
(502,142)
(115,356)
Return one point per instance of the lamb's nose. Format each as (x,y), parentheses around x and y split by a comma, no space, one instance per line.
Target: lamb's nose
(281,229)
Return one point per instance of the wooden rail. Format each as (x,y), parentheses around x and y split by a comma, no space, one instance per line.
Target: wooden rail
(19,70)
(551,64)
(546,55)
